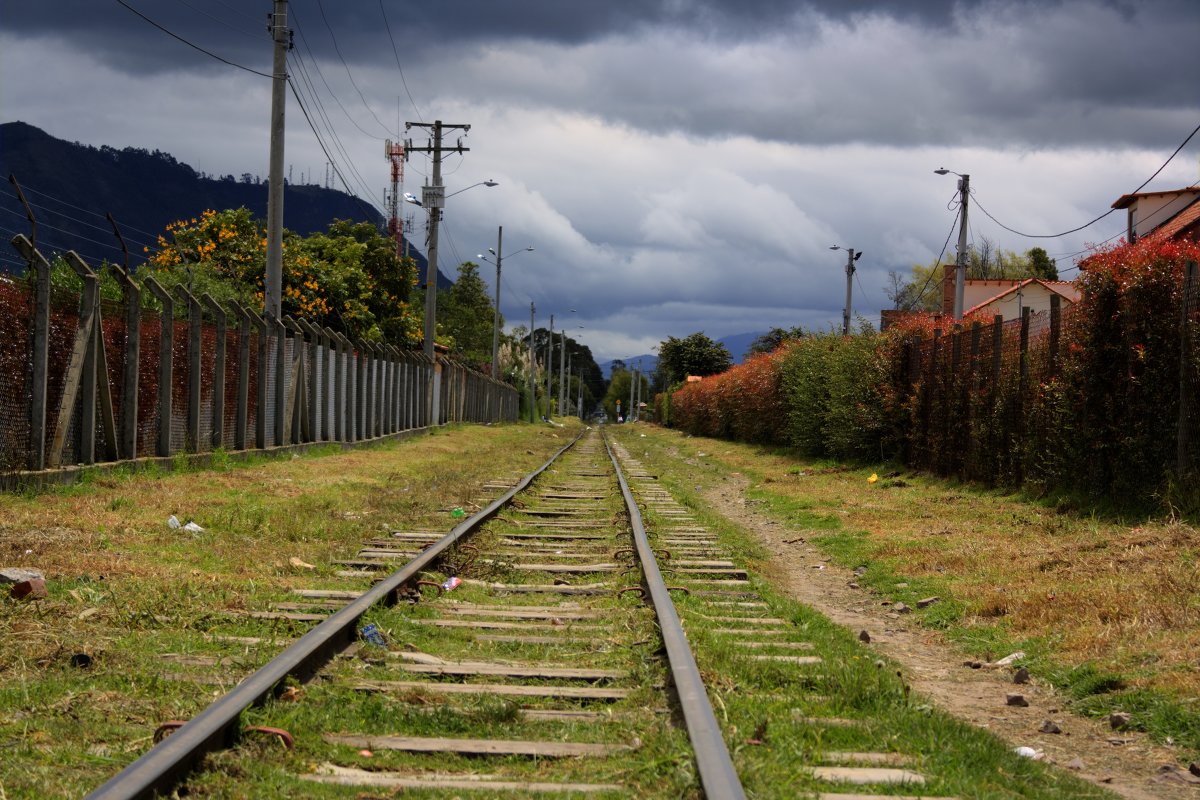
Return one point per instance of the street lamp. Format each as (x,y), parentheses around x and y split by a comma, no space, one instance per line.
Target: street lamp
(499,258)
(960,273)
(851,257)
(435,208)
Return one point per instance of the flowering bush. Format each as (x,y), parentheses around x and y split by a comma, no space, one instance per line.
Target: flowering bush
(348,277)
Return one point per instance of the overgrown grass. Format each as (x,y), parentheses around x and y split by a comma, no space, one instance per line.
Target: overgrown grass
(144,602)
(770,712)
(1104,608)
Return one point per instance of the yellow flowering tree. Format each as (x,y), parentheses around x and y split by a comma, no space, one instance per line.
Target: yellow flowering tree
(348,278)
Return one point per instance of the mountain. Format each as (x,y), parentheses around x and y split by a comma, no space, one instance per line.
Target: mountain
(71,186)
(737,344)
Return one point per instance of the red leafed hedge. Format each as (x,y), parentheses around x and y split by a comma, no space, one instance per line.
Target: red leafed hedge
(1091,406)
(743,403)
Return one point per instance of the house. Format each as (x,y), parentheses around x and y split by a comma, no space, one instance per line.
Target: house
(1173,214)
(985,299)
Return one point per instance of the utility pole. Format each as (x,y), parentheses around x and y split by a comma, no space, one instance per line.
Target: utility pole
(849,291)
(273,282)
(629,411)
(433,197)
(532,362)
(580,404)
(960,276)
(562,357)
(549,367)
(851,257)
(638,402)
(496,321)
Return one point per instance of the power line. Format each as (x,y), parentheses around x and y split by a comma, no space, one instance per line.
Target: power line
(937,263)
(215,18)
(81,208)
(1097,219)
(338,50)
(329,128)
(328,88)
(192,45)
(396,53)
(324,149)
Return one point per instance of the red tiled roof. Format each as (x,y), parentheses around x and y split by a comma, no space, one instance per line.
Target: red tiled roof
(1178,223)
(1065,289)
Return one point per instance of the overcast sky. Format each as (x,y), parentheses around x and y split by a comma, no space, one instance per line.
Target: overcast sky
(678,165)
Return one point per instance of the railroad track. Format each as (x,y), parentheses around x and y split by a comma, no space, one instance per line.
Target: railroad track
(536,648)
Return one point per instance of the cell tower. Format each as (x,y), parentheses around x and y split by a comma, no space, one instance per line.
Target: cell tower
(394,152)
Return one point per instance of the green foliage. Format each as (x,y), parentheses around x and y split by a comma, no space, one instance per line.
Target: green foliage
(466,316)
(618,389)
(348,277)
(1093,414)
(693,355)
(774,338)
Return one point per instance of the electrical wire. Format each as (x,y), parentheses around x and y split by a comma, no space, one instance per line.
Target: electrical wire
(215,18)
(192,45)
(323,116)
(1102,216)
(316,66)
(396,53)
(336,171)
(350,75)
(920,294)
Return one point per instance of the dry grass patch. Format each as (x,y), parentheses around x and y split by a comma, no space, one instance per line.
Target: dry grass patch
(1100,604)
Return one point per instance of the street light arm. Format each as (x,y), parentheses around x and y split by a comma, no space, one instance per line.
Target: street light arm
(488,182)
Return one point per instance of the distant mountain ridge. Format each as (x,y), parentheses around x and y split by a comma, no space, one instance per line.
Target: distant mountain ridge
(738,345)
(72,186)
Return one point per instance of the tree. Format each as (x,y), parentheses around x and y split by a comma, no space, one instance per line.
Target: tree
(1041,265)
(618,390)
(466,315)
(348,277)
(694,355)
(770,341)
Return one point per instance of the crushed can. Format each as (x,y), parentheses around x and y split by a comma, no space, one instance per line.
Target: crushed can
(372,635)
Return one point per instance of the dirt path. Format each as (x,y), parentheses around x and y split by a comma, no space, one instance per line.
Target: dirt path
(1127,763)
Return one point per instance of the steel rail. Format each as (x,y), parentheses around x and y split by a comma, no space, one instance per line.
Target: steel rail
(162,767)
(713,762)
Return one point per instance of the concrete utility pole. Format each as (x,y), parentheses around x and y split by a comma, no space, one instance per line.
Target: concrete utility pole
(549,367)
(849,291)
(851,257)
(496,320)
(562,373)
(273,281)
(629,411)
(960,274)
(637,405)
(433,197)
(532,363)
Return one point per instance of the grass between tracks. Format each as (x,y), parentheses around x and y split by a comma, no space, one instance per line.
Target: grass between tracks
(138,601)
(1106,609)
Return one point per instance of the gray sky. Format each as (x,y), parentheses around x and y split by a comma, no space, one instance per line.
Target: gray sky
(679,165)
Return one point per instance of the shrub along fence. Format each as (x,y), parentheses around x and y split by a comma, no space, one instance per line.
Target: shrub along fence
(83,380)
(1095,398)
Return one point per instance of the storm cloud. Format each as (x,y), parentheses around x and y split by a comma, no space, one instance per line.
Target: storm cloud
(679,165)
